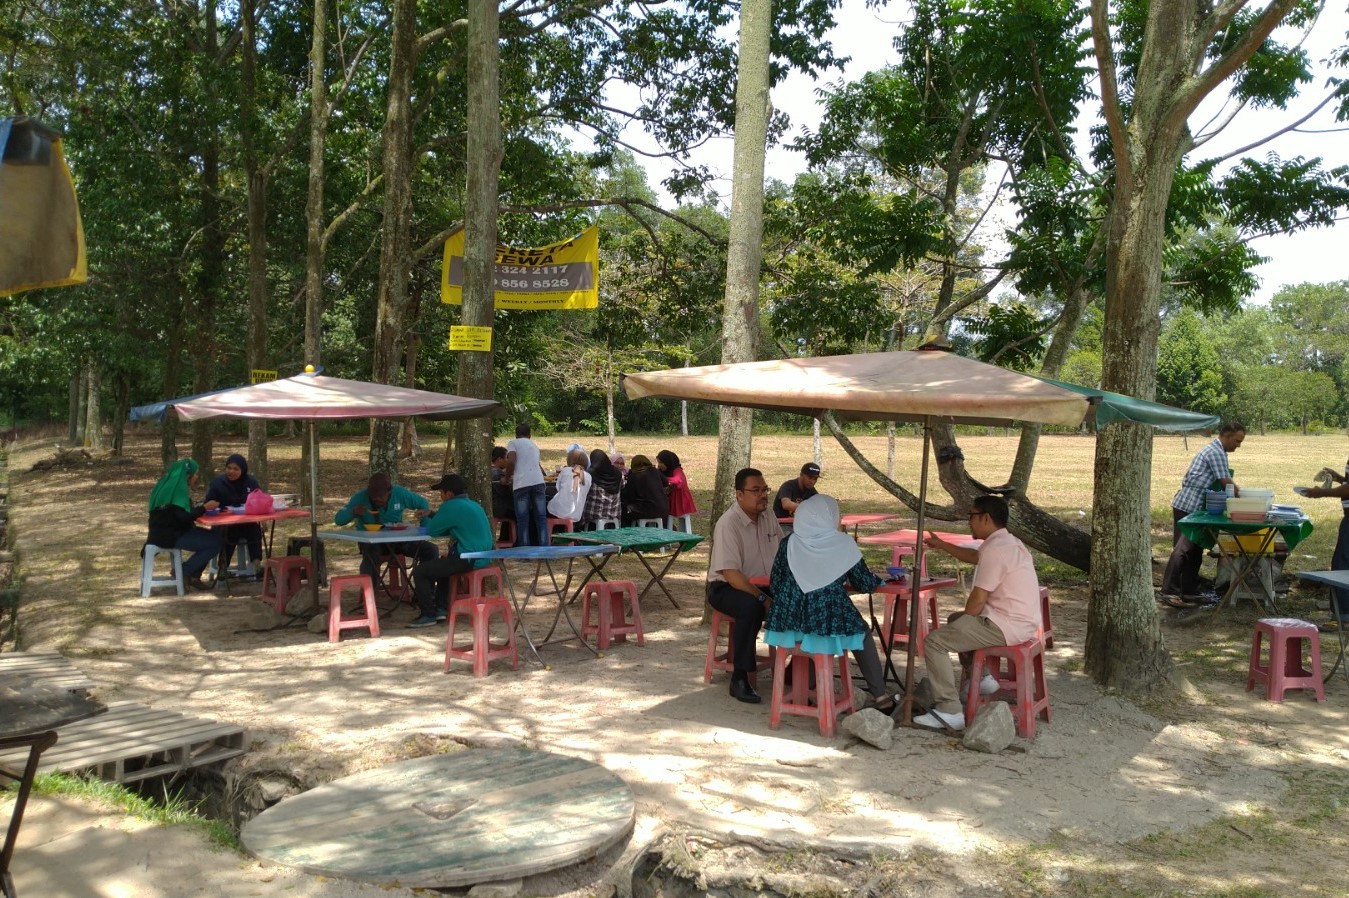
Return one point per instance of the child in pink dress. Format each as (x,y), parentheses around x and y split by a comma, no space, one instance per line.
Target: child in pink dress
(677,485)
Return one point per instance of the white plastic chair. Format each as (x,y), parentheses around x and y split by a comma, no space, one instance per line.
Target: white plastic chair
(148,579)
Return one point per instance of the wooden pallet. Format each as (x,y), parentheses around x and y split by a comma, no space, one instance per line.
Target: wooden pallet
(132,742)
(46,669)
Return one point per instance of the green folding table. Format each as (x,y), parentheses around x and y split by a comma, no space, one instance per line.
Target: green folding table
(642,542)
(1203,530)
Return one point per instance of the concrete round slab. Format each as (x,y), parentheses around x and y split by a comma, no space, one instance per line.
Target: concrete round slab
(449,820)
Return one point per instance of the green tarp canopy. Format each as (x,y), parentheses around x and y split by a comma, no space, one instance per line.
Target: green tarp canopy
(1118,407)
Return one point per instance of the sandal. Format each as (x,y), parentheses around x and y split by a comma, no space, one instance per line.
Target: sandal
(887,705)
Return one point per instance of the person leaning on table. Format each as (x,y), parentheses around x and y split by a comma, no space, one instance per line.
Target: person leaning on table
(469,530)
(173,521)
(1340,560)
(1208,468)
(744,544)
(383,502)
(1003,607)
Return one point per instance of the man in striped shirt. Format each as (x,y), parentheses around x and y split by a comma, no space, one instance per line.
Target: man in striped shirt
(1209,469)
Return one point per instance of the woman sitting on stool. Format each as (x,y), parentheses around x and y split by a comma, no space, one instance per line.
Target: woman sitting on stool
(173,521)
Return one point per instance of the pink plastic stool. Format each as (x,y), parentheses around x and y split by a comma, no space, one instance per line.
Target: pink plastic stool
(826,709)
(478,611)
(717,660)
(336,621)
(398,587)
(612,624)
(509,524)
(1285,671)
(473,583)
(899,553)
(555,524)
(1024,677)
(897,597)
(282,578)
(1045,624)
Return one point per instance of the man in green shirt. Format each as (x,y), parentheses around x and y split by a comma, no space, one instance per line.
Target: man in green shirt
(384,502)
(469,530)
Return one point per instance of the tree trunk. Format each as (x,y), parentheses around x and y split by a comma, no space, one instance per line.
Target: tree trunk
(81,407)
(211,271)
(73,407)
(391,312)
(609,386)
(93,424)
(473,438)
(257,231)
(740,312)
(313,256)
(173,369)
(410,445)
(120,413)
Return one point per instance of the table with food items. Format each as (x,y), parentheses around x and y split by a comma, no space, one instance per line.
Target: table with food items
(229,516)
(397,585)
(1243,530)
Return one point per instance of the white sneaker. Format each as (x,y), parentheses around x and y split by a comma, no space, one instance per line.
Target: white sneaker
(988,685)
(940,720)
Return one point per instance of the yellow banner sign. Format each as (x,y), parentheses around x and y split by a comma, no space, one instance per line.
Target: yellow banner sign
(262,376)
(470,339)
(562,276)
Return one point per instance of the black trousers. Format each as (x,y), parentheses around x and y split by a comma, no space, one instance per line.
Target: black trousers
(748,613)
(431,582)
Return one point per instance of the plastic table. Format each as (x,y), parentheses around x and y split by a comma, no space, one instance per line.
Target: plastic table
(855,520)
(382,537)
(229,519)
(1335,580)
(1203,530)
(543,558)
(641,542)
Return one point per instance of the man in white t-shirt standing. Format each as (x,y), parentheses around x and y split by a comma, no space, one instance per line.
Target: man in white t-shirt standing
(525,474)
(1003,607)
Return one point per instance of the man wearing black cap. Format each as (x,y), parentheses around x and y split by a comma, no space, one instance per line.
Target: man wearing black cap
(794,492)
(469,530)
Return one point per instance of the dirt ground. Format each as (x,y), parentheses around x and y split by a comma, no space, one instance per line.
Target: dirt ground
(1100,787)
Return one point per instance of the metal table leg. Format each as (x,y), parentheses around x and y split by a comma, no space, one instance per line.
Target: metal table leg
(37,743)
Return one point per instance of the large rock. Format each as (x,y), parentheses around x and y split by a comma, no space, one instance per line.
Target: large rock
(871,726)
(992,729)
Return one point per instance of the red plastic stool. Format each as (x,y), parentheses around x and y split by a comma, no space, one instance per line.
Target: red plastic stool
(397,586)
(1285,670)
(511,537)
(1024,677)
(566,525)
(717,660)
(1045,624)
(897,597)
(478,611)
(612,624)
(471,584)
(282,578)
(826,710)
(336,621)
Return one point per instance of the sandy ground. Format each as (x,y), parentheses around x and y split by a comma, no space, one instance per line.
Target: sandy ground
(1101,771)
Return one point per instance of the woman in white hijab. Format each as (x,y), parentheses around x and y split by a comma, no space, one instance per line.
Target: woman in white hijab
(815,565)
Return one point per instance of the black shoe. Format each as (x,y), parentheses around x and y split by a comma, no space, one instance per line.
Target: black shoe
(195,584)
(742,691)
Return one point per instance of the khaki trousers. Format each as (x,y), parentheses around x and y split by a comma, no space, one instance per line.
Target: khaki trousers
(964,633)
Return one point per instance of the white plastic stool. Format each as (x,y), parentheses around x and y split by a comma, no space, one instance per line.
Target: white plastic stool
(683,522)
(658,523)
(607,524)
(148,579)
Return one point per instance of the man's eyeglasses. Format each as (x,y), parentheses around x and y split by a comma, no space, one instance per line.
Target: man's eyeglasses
(756,490)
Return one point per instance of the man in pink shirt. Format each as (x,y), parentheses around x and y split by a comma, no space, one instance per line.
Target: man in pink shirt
(1003,607)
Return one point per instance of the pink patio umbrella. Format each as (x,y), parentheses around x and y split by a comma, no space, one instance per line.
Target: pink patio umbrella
(312,397)
(926,386)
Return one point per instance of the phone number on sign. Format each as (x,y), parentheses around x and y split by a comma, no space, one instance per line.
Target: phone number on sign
(533,284)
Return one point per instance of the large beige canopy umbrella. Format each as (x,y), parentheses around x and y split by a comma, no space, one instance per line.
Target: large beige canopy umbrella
(927,386)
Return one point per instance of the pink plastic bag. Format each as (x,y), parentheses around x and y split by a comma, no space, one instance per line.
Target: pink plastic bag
(258,502)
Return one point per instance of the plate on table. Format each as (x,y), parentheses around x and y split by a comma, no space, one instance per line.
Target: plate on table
(395,526)
(214,511)
(236,509)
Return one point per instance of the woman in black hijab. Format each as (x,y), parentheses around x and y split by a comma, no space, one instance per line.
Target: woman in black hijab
(602,502)
(232,488)
(644,493)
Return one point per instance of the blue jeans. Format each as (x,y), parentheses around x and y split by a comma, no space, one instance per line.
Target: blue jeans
(531,501)
(204,544)
(1339,598)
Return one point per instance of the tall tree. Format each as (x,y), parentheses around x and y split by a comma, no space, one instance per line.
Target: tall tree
(1183,51)
(740,313)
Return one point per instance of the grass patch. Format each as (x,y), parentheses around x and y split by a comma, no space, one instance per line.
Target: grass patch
(173,810)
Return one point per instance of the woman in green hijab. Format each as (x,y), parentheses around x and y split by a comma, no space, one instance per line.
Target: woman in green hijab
(173,521)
